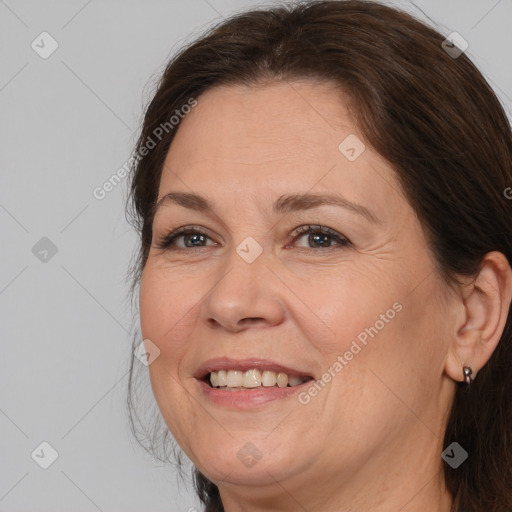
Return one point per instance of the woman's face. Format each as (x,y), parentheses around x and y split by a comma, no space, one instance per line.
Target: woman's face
(359,309)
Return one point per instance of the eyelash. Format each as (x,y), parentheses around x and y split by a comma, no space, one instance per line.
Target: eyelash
(165,242)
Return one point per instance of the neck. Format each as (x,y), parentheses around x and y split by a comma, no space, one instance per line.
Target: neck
(407,482)
(433,494)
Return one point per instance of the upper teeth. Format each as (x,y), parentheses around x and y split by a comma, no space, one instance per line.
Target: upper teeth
(253,379)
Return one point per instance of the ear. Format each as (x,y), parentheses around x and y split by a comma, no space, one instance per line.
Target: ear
(483,307)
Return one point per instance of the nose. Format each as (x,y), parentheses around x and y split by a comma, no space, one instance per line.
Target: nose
(245,295)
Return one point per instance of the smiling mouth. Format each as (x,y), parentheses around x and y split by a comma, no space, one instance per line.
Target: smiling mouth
(237,380)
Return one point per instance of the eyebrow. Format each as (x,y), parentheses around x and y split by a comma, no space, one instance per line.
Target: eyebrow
(284,204)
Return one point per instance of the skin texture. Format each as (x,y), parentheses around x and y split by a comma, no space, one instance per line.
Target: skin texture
(372,438)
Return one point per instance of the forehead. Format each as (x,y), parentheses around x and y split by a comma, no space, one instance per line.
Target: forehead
(258,122)
(273,139)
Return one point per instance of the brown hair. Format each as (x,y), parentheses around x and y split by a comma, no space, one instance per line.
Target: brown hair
(438,123)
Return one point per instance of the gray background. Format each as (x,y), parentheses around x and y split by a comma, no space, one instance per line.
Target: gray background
(67,124)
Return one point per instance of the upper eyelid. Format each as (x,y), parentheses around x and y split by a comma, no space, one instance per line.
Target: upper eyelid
(193,227)
(304,227)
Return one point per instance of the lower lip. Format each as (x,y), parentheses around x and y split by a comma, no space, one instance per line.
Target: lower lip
(248,398)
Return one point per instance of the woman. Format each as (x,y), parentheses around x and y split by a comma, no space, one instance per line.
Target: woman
(324,268)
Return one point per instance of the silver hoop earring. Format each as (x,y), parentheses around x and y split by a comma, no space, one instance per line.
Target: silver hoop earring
(467,371)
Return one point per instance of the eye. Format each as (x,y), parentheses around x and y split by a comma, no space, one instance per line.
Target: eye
(320,236)
(193,237)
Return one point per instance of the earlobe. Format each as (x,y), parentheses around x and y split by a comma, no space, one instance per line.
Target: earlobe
(485,303)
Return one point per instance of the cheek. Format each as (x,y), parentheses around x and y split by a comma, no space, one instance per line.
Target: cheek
(352,305)
(403,345)
(166,318)
(165,309)
(372,320)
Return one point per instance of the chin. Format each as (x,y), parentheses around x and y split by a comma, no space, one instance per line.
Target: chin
(244,460)
(260,473)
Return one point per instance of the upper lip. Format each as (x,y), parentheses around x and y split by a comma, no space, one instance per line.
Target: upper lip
(226,363)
